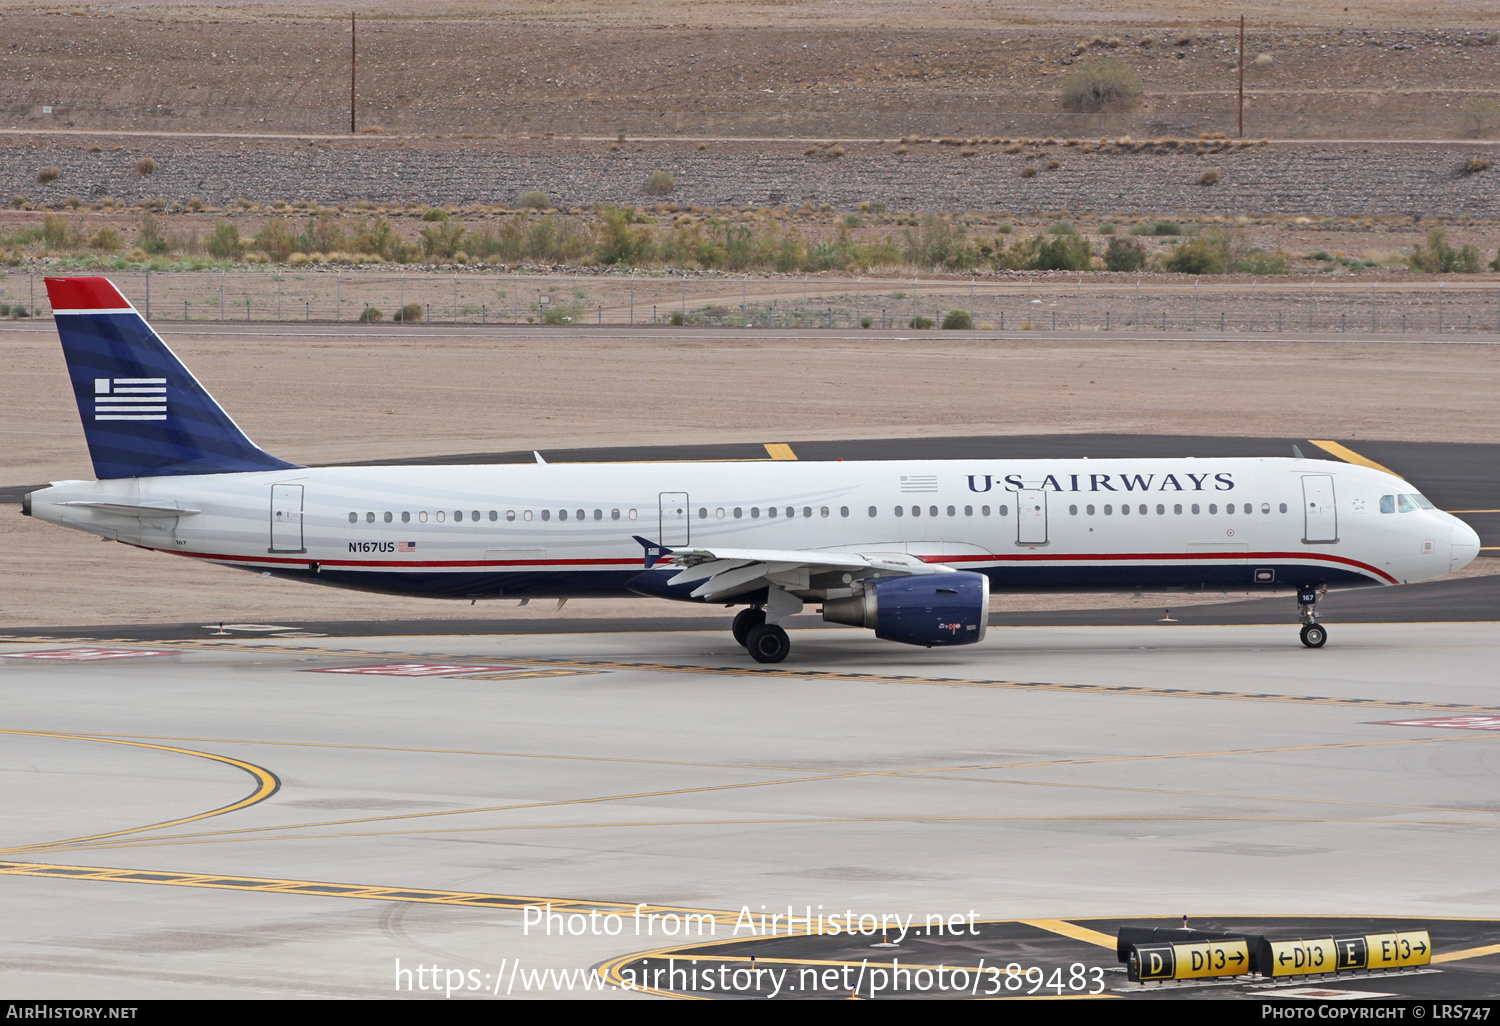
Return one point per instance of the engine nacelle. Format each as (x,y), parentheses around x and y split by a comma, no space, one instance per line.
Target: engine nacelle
(933,609)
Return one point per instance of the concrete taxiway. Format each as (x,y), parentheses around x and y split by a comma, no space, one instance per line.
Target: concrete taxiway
(308,816)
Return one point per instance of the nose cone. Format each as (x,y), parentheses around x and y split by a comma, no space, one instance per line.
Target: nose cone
(1465,546)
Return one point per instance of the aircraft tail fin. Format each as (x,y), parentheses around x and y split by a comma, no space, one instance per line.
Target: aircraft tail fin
(144,414)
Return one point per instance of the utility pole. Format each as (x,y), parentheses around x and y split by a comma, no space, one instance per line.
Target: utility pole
(1242,76)
(353,54)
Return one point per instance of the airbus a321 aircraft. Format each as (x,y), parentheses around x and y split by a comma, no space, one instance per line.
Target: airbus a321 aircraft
(910,549)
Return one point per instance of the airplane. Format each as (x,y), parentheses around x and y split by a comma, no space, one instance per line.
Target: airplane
(909,549)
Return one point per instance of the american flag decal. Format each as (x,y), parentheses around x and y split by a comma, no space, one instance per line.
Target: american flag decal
(919,482)
(130,398)
(406,547)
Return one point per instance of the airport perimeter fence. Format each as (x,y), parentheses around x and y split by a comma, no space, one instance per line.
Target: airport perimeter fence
(1047,303)
(973,119)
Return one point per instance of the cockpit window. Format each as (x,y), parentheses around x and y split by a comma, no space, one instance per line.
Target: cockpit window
(1421,500)
(1405,505)
(1387,504)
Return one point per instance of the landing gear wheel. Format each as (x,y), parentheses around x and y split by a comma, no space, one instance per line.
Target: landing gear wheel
(768,643)
(744,621)
(1313,635)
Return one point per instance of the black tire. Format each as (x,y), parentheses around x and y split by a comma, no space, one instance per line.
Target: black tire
(1314,635)
(744,620)
(768,643)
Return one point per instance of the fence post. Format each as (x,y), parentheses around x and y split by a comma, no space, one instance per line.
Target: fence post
(31,285)
(971,300)
(455,296)
(278,298)
(516,299)
(1078,305)
(1252,304)
(401,292)
(1028,302)
(148,293)
(1374,318)
(684,295)
(338,293)
(1440,308)
(1309,306)
(632,297)
(221,295)
(1195,302)
(184,310)
(858,281)
(1138,303)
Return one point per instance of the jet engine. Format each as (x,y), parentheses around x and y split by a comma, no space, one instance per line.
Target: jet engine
(931,609)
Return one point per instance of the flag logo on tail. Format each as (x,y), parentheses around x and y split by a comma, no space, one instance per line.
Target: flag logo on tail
(130,398)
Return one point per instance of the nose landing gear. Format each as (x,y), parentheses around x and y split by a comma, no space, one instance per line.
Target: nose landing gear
(1314,635)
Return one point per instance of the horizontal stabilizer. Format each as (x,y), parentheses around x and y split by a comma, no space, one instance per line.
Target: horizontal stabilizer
(130,509)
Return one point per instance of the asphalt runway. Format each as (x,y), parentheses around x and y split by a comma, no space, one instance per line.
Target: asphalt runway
(319,817)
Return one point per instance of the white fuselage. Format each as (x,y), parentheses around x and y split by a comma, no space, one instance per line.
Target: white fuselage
(568,529)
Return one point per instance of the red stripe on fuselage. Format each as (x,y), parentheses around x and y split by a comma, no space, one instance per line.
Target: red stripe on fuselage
(1020,557)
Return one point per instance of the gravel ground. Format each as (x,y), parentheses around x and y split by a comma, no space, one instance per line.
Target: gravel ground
(1420,181)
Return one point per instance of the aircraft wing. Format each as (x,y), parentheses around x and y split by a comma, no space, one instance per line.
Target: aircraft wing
(729,571)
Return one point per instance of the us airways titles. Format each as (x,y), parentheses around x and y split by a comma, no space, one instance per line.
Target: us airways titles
(1106,483)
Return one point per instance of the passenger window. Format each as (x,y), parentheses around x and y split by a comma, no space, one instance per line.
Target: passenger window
(702,512)
(1124,509)
(1072,511)
(1195,509)
(422,517)
(738,513)
(527,514)
(1141,509)
(1177,509)
(475,516)
(562,514)
(632,514)
(984,511)
(370,517)
(1283,507)
(900,511)
(1108,509)
(932,511)
(1228,508)
(719,513)
(510,516)
(952,512)
(916,511)
(1265,507)
(614,514)
(1089,509)
(353,518)
(823,511)
(872,511)
(843,511)
(441,516)
(406,516)
(1004,511)
(807,511)
(598,514)
(791,512)
(546,514)
(1161,510)
(754,512)
(1213,507)
(458,515)
(494,515)
(1387,504)
(388,517)
(968,511)
(580,514)
(771,512)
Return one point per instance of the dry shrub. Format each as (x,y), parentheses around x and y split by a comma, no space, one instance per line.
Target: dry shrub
(1053,165)
(372,130)
(1028,171)
(145,166)
(1103,85)
(836,152)
(660,183)
(1263,60)
(1209,177)
(1476,165)
(534,199)
(901,149)
(966,152)
(48,174)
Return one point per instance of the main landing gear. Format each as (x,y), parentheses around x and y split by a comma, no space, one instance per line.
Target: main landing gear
(766,642)
(1314,634)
